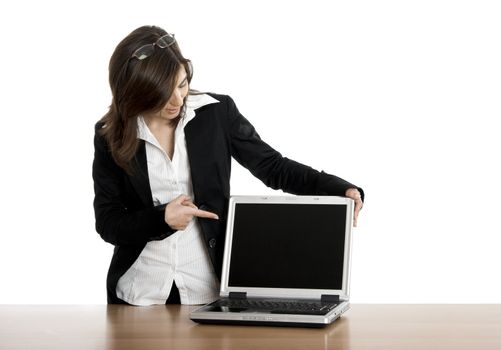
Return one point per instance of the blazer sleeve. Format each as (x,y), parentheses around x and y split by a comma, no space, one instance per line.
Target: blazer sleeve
(115,221)
(272,168)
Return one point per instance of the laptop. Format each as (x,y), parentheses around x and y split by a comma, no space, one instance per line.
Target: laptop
(286,262)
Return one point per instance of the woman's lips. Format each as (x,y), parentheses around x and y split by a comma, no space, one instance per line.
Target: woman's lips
(172,110)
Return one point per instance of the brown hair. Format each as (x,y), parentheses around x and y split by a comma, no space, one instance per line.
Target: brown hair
(139,86)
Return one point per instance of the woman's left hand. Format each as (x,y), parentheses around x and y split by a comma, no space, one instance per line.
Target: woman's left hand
(354,194)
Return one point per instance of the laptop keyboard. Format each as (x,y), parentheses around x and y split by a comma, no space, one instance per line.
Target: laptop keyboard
(277,307)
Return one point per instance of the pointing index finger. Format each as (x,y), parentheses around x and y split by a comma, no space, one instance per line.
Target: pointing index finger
(204,214)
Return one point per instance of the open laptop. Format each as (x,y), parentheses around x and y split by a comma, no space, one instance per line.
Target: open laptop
(286,262)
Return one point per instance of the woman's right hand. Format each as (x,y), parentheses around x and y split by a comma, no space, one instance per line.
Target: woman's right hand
(180,211)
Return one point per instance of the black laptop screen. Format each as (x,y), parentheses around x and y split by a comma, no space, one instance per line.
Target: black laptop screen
(288,246)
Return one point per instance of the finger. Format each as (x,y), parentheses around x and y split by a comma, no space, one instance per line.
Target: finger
(358,206)
(352,193)
(204,214)
(189,204)
(356,197)
(355,218)
(181,198)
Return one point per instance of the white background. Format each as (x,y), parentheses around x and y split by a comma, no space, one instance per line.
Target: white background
(399,97)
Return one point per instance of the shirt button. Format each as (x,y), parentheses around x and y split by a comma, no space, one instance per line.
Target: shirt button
(212,243)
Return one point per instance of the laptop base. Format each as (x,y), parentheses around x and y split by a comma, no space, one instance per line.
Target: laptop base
(205,316)
(261,323)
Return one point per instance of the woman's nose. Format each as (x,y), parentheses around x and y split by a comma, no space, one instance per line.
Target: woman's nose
(176,99)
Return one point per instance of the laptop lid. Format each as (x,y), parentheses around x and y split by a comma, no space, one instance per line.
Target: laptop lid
(288,247)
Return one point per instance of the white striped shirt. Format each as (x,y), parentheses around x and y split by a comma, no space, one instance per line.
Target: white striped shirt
(181,257)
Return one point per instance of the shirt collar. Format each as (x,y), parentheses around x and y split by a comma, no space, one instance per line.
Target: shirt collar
(143,132)
(193,102)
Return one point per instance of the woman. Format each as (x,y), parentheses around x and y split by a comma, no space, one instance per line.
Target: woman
(162,174)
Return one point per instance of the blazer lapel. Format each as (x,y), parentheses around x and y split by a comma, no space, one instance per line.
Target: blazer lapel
(191,149)
(140,180)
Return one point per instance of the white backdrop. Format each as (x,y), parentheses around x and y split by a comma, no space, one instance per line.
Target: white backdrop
(399,97)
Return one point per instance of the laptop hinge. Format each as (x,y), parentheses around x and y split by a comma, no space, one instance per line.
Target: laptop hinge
(329,298)
(237,295)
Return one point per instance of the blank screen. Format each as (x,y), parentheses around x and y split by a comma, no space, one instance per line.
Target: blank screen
(288,246)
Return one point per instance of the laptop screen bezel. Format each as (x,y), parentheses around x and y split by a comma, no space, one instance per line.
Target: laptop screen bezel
(298,293)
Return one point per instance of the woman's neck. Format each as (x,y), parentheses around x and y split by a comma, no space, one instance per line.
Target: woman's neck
(157,123)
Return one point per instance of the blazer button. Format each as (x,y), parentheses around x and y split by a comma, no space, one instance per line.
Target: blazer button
(212,243)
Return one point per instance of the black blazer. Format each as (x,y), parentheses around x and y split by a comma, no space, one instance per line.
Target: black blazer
(124,210)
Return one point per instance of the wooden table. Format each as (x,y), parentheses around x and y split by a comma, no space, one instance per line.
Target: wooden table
(369,326)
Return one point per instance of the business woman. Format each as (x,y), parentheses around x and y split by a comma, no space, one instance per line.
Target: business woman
(161,174)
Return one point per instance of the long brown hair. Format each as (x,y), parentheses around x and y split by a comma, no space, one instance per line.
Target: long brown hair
(139,86)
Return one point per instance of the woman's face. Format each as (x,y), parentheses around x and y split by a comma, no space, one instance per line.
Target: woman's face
(173,106)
